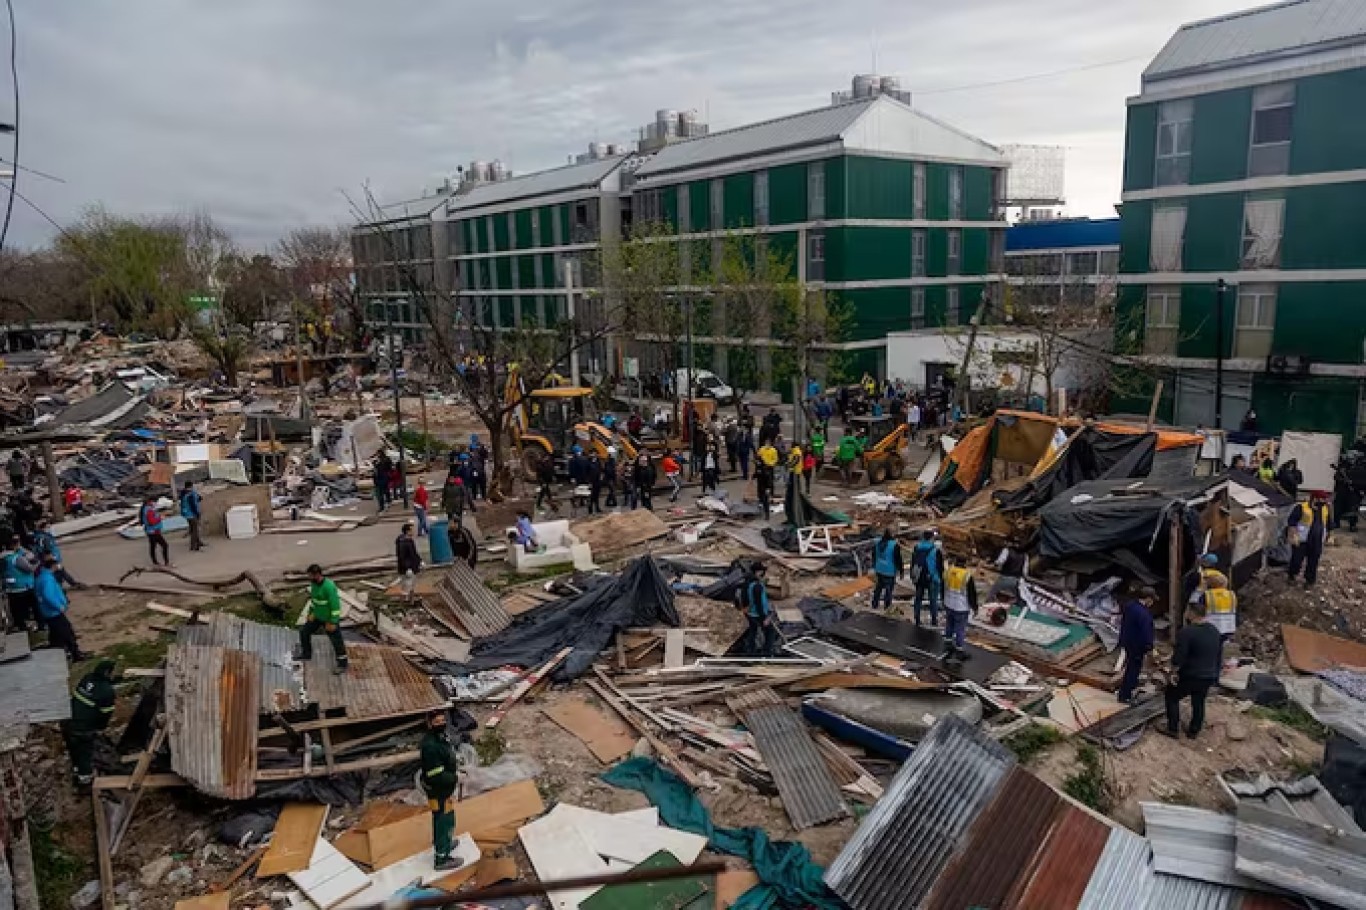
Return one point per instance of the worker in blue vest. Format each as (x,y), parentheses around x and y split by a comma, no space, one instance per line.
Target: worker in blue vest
(887,567)
(19,566)
(191,509)
(52,604)
(927,568)
(761,635)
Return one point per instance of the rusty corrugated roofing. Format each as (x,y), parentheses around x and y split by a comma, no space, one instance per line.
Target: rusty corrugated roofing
(1011,831)
(379,683)
(1068,859)
(470,601)
(804,783)
(281,681)
(212,697)
(901,847)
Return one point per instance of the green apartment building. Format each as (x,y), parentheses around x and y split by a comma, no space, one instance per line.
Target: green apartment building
(1245,161)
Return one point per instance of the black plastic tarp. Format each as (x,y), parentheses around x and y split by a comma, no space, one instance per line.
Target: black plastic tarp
(801,512)
(1091,454)
(1104,515)
(99,475)
(639,596)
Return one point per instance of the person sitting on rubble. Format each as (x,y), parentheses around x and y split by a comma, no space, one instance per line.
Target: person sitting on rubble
(324,615)
(761,633)
(927,569)
(526,533)
(439,776)
(92,707)
(960,602)
(74,500)
(463,545)
(1135,637)
(1195,665)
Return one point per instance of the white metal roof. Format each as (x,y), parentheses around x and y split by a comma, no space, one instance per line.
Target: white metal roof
(1254,34)
(541,183)
(411,208)
(877,124)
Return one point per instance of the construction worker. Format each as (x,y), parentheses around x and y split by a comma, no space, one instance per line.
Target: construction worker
(795,465)
(92,707)
(887,566)
(440,772)
(960,602)
(850,448)
(1308,532)
(324,615)
(927,568)
(761,635)
(1196,661)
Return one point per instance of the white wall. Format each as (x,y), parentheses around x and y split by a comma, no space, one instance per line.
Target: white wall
(909,352)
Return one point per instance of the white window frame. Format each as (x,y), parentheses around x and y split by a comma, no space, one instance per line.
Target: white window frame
(1162,319)
(1263,230)
(1167,254)
(1255,321)
(919,243)
(953,259)
(815,243)
(955,194)
(1175,139)
(917,308)
(1267,159)
(951,306)
(815,191)
(761,198)
(918,191)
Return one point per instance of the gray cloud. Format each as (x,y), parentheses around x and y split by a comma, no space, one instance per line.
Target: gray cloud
(262,111)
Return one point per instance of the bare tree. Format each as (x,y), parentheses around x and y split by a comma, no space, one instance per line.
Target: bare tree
(317,265)
(756,289)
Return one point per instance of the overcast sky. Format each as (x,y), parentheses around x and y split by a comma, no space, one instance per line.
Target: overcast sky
(263,111)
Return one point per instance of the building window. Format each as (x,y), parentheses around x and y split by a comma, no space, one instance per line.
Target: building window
(1162,321)
(815,256)
(1109,262)
(1273,120)
(1256,321)
(918,191)
(1175,120)
(955,261)
(1169,236)
(761,197)
(1082,263)
(1262,222)
(951,307)
(955,193)
(917,308)
(918,253)
(815,191)
(718,204)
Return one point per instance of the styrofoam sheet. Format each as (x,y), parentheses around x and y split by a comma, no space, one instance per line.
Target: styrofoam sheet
(557,851)
(631,841)
(388,881)
(330,877)
(1316,453)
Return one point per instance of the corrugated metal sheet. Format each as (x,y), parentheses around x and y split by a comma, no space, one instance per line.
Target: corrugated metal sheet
(281,679)
(211,716)
(808,793)
(421,207)
(901,847)
(1245,36)
(1306,799)
(1302,857)
(1123,877)
(1328,706)
(35,689)
(540,183)
(474,606)
(379,683)
(742,704)
(1001,847)
(1174,892)
(1068,861)
(1193,843)
(793,131)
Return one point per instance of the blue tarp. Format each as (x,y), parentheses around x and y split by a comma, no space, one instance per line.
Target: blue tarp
(788,877)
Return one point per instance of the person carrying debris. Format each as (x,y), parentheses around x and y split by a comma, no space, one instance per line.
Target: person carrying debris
(927,568)
(191,511)
(324,615)
(761,634)
(52,604)
(92,707)
(1308,532)
(1135,638)
(960,602)
(150,518)
(1195,666)
(19,567)
(45,544)
(887,567)
(440,774)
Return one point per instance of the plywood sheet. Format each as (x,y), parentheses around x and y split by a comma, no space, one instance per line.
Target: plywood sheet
(1078,706)
(848,588)
(1309,651)
(291,846)
(220,901)
(558,851)
(330,877)
(606,736)
(354,845)
(510,805)
(400,840)
(495,870)
(732,883)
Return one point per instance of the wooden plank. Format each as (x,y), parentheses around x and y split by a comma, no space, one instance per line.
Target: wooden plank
(220,900)
(382,761)
(329,757)
(509,805)
(731,884)
(296,834)
(860,681)
(524,687)
(241,869)
(666,754)
(151,781)
(330,877)
(135,783)
(106,862)
(848,588)
(673,648)
(169,610)
(607,737)
(773,682)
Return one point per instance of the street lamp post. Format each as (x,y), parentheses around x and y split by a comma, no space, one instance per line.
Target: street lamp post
(1220,289)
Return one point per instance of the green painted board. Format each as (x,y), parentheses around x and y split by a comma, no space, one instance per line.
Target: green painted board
(673,894)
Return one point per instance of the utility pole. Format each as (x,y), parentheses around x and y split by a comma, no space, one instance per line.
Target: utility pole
(964,380)
(398,405)
(299,360)
(574,329)
(1220,289)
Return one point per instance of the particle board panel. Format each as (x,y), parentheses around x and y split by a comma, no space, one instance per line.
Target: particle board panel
(606,736)
(557,850)
(510,805)
(619,530)
(491,871)
(222,900)
(1309,651)
(397,841)
(732,883)
(420,867)
(848,588)
(808,793)
(330,877)
(291,846)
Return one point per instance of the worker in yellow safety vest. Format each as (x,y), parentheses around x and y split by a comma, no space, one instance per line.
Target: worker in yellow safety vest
(960,602)
(1221,604)
(1307,531)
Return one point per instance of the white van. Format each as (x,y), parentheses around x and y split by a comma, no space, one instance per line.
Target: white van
(706,385)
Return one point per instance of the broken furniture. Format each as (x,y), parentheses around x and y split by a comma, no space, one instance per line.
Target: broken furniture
(558,546)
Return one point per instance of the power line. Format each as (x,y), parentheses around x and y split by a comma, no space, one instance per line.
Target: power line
(34,171)
(1035,76)
(14,76)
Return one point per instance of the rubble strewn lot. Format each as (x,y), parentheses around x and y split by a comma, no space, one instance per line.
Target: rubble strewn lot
(606,717)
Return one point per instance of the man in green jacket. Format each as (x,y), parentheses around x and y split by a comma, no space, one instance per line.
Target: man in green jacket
(851,447)
(324,615)
(440,772)
(92,707)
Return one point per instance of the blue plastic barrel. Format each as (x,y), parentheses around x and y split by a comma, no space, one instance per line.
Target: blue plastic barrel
(440,542)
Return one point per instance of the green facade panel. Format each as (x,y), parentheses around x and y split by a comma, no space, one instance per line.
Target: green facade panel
(562,214)
(1135,237)
(669,206)
(738,200)
(507,312)
(1329,131)
(1197,329)
(1214,233)
(503,269)
(1315,403)
(501,240)
(526,271)
(1131,308)
(1140,147)
(699,205)
(879,187)
(1219,144)
(836,254)
(872,253)
(936,304)
(1324,321)
(835,186)
(548,276)
(936,253)
(937,192)
(1324,227)
(545,215)
(977,201)
(522,225)
(976,251)
(873,312)
(787,194)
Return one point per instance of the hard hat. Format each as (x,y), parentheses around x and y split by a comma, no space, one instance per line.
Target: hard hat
(1209,559)
(612,450)
(577,450)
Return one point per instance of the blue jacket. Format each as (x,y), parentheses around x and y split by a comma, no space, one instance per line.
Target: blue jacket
(51,598)
(927,556)
(1135,627)
(16,579)
(189,504)
(756,599)
(45,542)
(887,557)
(150,519)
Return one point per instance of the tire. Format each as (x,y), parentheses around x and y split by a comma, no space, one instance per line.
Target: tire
(877,472)
(895,467)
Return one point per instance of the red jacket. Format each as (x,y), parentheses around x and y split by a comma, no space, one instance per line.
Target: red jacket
(420,497)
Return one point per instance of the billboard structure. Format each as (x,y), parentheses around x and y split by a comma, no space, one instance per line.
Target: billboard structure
(1036,175)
